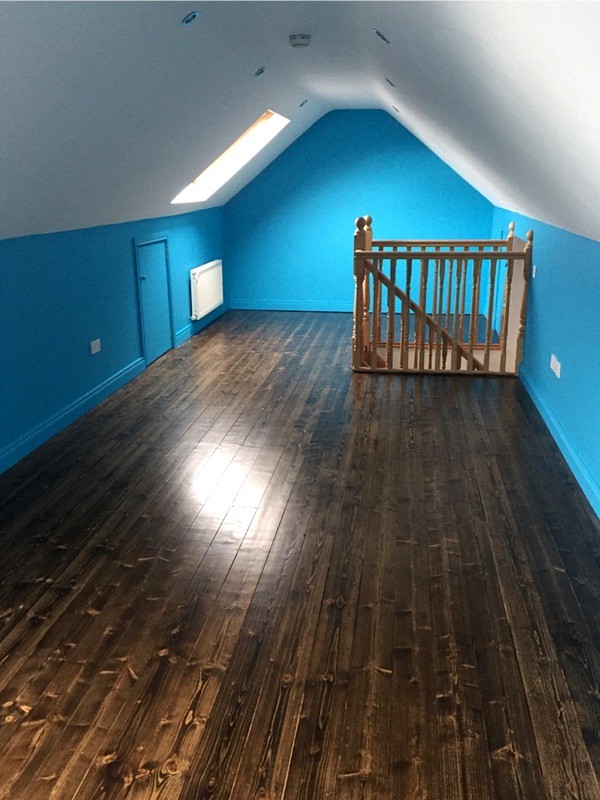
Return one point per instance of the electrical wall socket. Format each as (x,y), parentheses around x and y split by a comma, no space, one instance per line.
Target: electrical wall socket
(95,346)
(555,365)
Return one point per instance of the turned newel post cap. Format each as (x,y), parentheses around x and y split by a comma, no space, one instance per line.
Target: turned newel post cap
(529,238)
(363,222)
(511,228)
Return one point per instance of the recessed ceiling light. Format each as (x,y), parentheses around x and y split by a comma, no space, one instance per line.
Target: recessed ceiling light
(381,36)
(303,103)
(189,18)
(299,39)
(259,72)
(390,83)
(233,159)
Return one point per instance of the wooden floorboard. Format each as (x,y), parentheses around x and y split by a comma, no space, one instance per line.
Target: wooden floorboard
(252,574)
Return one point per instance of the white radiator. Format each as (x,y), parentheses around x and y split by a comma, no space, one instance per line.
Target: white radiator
(206,284)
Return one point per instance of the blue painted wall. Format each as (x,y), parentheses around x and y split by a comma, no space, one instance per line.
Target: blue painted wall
(60,291)
(286,240)
(563,315)
(288,234)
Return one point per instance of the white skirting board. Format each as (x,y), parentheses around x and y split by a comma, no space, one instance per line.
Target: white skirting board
(206,285)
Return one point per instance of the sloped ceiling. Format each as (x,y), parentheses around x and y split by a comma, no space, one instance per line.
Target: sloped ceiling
(107,110)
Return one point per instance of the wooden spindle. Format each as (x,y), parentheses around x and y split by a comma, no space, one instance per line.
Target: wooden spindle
(406,315)
(417,319)
(366,325)
(449,291)
(376,316)
(440,339)
(420,346)
(434,340)
(391,312)
(430,347)
(474,309)
(455,364)
(505,315)
(463,300)
(357,331)
(477,294)
(490,312)
(377,299)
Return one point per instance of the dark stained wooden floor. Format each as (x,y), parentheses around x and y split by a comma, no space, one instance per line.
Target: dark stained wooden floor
(251,574)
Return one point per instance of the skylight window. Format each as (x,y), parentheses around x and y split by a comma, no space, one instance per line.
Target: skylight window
(234,158)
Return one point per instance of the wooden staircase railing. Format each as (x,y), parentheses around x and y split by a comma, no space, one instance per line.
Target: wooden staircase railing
(445,306)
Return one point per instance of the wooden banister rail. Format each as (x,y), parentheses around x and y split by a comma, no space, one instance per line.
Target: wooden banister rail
(451,305)
(438,243)
(398,255)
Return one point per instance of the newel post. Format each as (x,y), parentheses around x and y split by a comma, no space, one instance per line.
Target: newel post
(361,347)
(511,236)
(527,261)
(504,326)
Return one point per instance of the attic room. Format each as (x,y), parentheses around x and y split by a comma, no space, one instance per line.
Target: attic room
(233,565)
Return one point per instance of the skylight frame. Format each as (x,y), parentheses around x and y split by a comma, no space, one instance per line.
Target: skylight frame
(234,158)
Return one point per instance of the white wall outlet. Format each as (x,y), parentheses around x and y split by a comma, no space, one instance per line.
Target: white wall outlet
(534,270)
(555,365)
(95,346)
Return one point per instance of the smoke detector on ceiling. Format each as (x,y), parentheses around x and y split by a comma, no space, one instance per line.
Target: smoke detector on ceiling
(299,39)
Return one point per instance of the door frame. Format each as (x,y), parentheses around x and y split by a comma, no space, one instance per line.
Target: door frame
(142,243)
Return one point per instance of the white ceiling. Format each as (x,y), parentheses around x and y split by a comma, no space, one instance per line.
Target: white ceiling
(108,109)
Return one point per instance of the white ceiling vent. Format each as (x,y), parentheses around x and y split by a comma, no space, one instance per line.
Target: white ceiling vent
(299,39)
